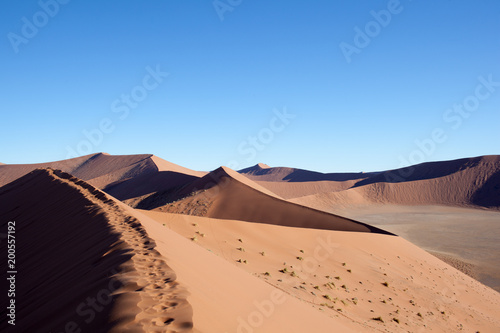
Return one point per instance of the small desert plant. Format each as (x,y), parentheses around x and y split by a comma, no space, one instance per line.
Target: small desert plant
(396,320)
(284,270)
(343,286)
(317,287)
(267,274)
(300,258)
(378,319)
(194,239)
(419,314)
(241,249)
(337,277)
(343,264)
(293,274)
(349,271)
(262,253)
(240,240)
(302,251)
(328,297)
(330,285)
(385,284)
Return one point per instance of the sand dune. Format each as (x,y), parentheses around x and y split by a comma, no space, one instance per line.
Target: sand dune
(84,263)
(469,182)
(272,265)
(262,172)
(292,190)
(349,277)
(227,197)
(91,265)
(102,170)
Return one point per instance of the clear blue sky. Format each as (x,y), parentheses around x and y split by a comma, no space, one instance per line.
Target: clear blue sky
(228,78)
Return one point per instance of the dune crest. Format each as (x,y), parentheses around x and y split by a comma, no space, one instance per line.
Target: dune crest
(226,194)
(104,272)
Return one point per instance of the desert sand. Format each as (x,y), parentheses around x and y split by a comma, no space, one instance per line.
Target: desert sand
(138,244)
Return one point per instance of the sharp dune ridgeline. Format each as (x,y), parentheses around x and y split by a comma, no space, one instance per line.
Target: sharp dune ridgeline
(134,243)
(84,263)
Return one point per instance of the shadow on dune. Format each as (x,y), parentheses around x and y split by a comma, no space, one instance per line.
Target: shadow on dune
(66,257)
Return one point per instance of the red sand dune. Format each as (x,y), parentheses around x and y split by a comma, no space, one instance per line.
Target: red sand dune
(87,262)
(83,263)
(164,279)
(102,170)
(225,194)
(368,282)
(262,172)
(465,182)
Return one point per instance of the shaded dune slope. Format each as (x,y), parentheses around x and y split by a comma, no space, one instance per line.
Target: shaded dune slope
(260,172)
(85,263)
(468,182)
(463,183)
(226,197)
(99,169)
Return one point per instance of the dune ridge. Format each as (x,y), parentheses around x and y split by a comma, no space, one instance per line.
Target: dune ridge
(226,197)
(96,251)
(467,182)
(100,169)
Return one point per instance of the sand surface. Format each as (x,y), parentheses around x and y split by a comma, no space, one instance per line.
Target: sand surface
(342,274)
(468,234)
(85,264)
(269,250)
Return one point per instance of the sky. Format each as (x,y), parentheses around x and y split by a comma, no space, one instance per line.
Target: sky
(331,86)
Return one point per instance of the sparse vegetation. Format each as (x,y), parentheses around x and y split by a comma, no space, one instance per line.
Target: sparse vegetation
(293,274)
(349,271)
(328,297)
(385,284)
(302,251)
(267,274)
(337,277)
(378,319)
(343,264)
(240,240)
(262,253)
(300,258)
(284,270)
(396,320)
(241,249)
(194,239)
(330,285)
(420,315)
